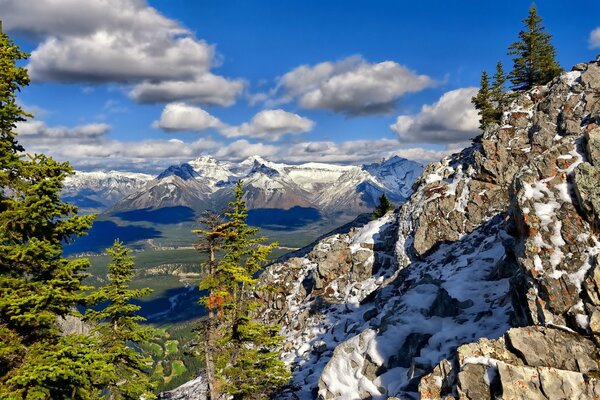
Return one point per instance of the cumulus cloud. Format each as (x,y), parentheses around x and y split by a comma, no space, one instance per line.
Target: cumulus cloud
(241,149)
(123,41)
(351,86)
(594,40)
(206,89)
(87,147)
(271,125)
(182,117)
(357,152)
(268,125)
(451,119)
(39,130)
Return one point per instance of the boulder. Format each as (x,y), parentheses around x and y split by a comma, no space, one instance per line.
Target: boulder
(587,188)
(546,347)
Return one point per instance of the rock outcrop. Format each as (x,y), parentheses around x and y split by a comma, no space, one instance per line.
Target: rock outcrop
(484,285)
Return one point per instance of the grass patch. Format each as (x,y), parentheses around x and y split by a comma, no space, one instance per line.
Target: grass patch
(171,346)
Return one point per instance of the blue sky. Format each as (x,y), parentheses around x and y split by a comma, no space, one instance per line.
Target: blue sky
(139,85)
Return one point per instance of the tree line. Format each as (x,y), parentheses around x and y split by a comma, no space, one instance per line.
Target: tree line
(42,292)
(534,63)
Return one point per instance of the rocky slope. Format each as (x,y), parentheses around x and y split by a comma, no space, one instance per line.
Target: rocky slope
(484,285)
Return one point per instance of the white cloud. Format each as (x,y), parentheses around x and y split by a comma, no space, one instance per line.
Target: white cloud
(271,125)
(242,149)
(356,152)
(451,119)
(183,117)
(123,41)
(86,146)
(39,130)
(351,86)
(268,125)
(206,89)
(594,40)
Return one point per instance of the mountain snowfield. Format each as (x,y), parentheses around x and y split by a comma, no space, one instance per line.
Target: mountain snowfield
(485,284)
(100,189)
(205,183)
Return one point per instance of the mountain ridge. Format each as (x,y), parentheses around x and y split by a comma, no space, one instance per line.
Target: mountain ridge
(205,183)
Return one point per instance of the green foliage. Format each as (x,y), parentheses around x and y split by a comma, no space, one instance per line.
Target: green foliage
(383,207)
(535,57)
(119,331)
(501,99)
(38,285)
(483,103)
(492,102)
(241,350)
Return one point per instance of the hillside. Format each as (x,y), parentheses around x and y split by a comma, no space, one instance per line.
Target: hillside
(484,285)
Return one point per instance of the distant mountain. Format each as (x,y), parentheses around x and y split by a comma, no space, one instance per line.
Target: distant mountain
(206,183)
(95,191)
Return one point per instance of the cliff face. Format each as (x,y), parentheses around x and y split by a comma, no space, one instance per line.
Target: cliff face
(485,283)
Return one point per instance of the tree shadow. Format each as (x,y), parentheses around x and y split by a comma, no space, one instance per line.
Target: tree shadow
(103,234)
(165,215)
(173,306)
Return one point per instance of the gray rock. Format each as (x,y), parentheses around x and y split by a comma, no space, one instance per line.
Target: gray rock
(592,145)
(544,347)
(472,382)
(587,188)
(521,382)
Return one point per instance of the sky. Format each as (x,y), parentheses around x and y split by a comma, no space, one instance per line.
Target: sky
(139,85)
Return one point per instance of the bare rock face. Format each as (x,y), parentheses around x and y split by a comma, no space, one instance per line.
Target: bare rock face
(587,188)
(484,285)
(531,363)
(196,389)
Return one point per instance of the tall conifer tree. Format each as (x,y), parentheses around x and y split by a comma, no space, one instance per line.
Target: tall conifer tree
(483,103)
(37,284)
(117,327)
(211,238)
(535,57)
(245,359)
(499,97)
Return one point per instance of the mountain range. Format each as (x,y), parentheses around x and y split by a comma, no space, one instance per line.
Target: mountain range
(206,183)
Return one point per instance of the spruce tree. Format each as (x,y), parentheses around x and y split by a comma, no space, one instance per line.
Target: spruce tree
(383,207)
(118,329)
(483,103)
(500,98)
(211,239)
(535,57)
(37,284)
(245,356)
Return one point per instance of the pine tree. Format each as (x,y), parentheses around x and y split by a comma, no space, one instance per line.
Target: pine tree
(500,98)
(483,103)
(118,329)
(245,358)
(211,239)
(535,57)
(383,207)
(37,284)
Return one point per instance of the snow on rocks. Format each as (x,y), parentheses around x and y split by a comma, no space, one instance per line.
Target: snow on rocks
(424,314)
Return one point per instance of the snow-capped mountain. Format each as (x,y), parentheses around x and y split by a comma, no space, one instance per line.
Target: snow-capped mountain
(100,189)
(206,183)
